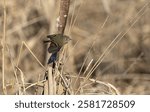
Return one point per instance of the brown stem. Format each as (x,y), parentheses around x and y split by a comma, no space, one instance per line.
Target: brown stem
(63,14)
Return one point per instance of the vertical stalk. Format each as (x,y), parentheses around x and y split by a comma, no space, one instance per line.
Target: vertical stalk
(3,50)
(62,20)
(63,14)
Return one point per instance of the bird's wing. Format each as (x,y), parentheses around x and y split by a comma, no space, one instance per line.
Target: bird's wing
(53,48)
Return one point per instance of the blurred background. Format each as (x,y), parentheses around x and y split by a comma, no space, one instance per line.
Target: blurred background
(92,25)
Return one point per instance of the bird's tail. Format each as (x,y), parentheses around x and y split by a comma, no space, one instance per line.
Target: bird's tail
(53,58)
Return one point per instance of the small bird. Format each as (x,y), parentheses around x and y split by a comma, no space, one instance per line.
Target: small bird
(57,41)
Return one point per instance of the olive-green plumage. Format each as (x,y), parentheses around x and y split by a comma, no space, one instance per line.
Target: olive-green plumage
(56,43)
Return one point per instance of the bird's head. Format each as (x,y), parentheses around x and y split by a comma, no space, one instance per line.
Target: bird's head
(66,39)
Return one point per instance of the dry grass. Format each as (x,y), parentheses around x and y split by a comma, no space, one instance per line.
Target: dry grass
(110,43)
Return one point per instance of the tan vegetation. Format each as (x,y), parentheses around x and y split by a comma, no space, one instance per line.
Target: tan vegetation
(110,45)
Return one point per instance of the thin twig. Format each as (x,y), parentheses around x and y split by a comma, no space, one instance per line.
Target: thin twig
(3,50)
(133,63)
(73,23)
(23,43)
(22,81)
(72,16)
(14,69)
